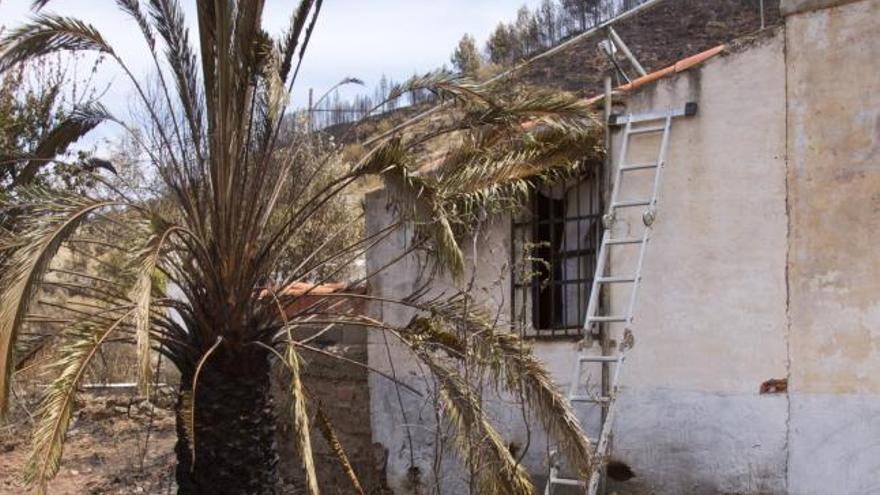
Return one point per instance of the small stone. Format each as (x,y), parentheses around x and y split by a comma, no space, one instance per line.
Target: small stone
(74,472)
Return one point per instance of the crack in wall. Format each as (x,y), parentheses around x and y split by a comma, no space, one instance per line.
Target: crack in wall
(787,331)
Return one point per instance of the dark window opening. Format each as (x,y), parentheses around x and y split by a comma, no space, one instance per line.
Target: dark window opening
(547,313)
(555,241)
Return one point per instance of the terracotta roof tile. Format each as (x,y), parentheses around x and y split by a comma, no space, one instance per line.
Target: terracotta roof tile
(680,66)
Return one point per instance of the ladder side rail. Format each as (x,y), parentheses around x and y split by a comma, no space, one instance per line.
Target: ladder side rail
(661,161)
(618,174)
(646,234)
(593,304)
(575,380)
(605,435)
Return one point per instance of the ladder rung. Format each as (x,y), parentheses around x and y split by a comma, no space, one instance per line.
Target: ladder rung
(624,240)
(630,203)
(615,280)
(599,359)
(594,400)
(608,319)
(645,130)
(638,166)
(567,482)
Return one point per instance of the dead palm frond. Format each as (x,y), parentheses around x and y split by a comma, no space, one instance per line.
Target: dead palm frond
(329,434)
(46,34)
(474,435)
(512,366)
(300,416)
(51,220)
(79,346)
(142,295)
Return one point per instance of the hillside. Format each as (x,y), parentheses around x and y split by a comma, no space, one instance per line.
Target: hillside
(658,36)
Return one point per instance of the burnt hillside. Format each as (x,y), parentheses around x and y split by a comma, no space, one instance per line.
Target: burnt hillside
(658,36)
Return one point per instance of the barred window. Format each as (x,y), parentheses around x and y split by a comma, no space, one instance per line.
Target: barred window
(555,242)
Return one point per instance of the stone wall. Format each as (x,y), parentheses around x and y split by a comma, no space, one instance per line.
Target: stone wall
(341,389)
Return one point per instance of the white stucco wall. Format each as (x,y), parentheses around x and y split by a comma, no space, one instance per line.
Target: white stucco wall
(762,266)
(710,325)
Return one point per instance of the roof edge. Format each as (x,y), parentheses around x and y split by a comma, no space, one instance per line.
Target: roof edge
(680,66)
(791,7)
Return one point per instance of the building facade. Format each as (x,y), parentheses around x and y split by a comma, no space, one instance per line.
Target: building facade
(756,366)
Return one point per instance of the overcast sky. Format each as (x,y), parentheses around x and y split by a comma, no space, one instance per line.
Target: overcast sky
(356,38)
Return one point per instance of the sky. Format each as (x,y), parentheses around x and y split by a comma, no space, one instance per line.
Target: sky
(357,38)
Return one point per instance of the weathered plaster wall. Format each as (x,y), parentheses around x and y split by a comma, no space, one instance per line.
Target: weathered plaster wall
(710,326)
(411,438)
(692,420)
(834,262)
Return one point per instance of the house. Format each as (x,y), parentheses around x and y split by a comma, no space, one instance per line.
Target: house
(756,365)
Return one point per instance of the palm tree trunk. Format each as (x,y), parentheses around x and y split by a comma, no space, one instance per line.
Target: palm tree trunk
(235,451)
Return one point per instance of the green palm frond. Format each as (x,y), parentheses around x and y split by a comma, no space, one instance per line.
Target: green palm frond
(46,34)
(49,219)
(300,416)
(79,346)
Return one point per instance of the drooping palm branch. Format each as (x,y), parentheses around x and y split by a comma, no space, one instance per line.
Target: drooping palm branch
(218,135)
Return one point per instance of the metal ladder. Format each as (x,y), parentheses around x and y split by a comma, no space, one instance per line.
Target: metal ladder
(639,124)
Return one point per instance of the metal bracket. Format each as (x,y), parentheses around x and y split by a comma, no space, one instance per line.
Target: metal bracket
(688,110)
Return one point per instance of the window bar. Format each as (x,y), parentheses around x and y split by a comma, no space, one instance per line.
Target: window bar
(513,272)
(580,242)
(554,247)
(563,260)
(525,314)
(533,279)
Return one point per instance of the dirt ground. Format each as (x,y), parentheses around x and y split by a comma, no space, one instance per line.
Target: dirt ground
(108,450)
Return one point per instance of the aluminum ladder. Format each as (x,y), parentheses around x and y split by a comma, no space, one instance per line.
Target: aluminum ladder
(633,125)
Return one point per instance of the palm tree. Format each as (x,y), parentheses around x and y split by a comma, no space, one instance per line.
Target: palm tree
(214,133)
